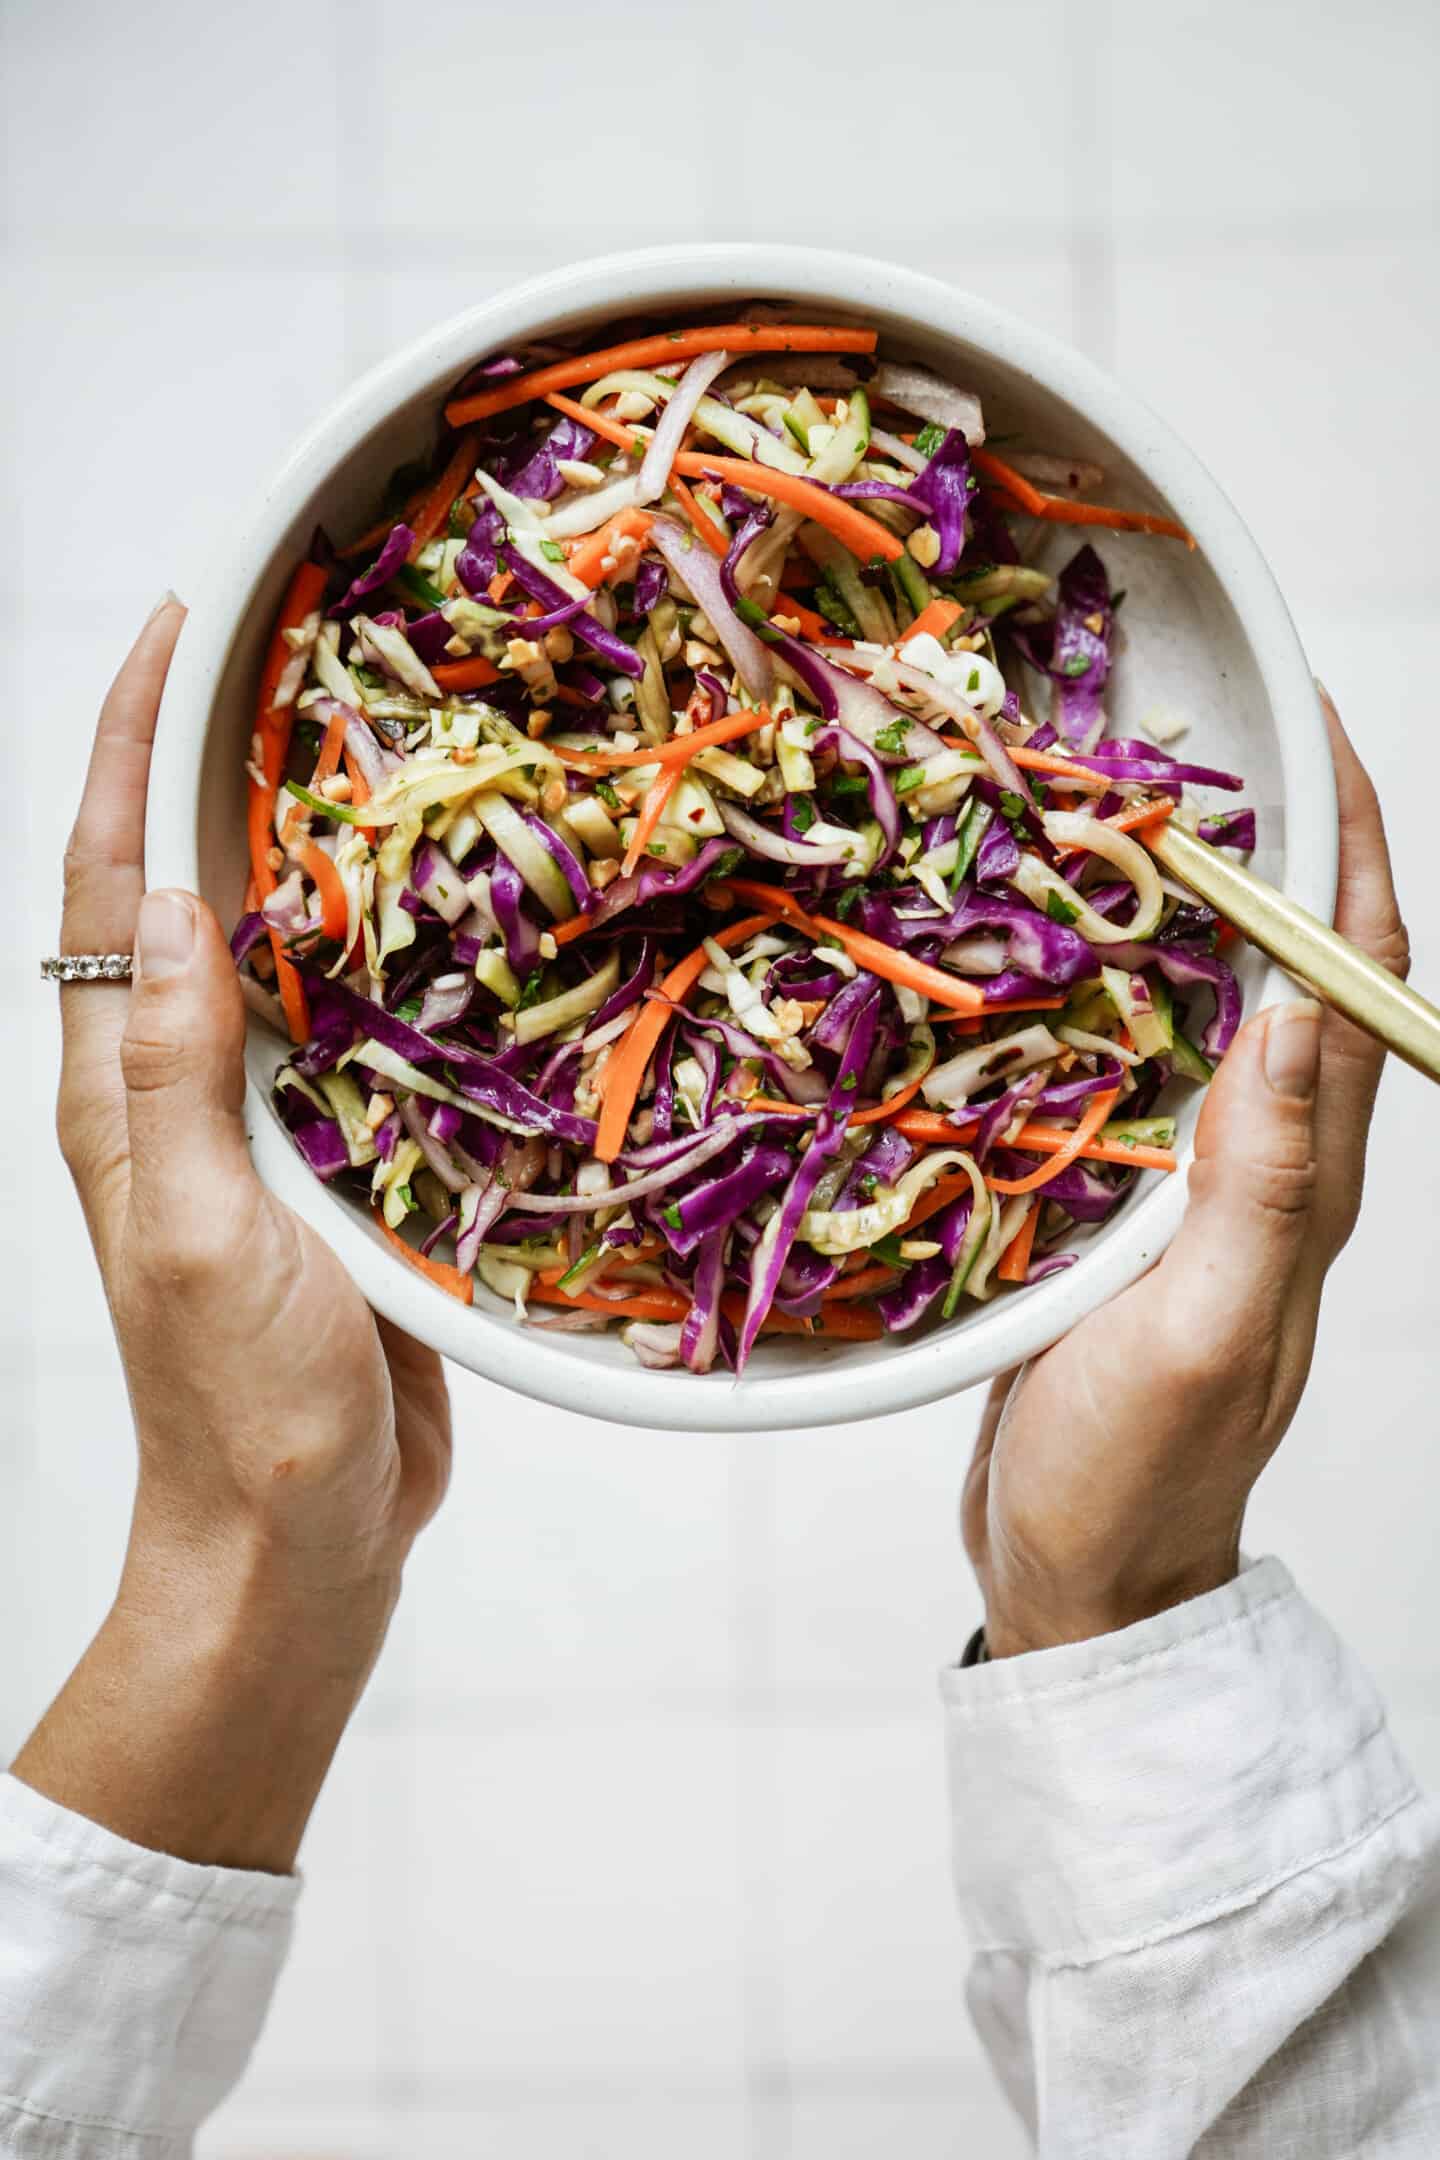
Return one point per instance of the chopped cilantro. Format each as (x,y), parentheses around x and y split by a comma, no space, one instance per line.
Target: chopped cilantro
(607,795)
(909,776)
(846,901)
(533,990)
(724,864)
(802,814)
(1077,664)
(673,1217)
(973,680)
(408,1010)
(552,551)
(410,1203)
(849,1084)
(1011,806)
(929,439)
(656,847)
(1060,911)
(750,611)
(848,783)
(887,1248)
(892,738)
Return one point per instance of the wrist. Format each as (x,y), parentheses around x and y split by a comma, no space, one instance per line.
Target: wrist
(1039,1614)
(204,1716)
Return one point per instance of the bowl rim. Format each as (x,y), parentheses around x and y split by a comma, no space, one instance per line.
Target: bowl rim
(905,1375)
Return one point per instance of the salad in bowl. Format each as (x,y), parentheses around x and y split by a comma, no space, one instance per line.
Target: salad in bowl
(689,859)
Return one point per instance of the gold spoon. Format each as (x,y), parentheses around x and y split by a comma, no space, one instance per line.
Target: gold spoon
(1318,958)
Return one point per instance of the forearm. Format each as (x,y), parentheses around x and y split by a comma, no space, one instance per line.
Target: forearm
(1196,1871)
(203,1718)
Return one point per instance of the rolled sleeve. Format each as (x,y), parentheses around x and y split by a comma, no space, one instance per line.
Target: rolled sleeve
(132,1985)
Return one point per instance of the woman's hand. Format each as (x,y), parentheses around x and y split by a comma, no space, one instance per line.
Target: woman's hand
(291,1444)
(1110,1477)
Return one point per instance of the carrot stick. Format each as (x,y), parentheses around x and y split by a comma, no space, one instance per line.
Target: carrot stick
(655,352)
(656,1304)
(465,674)
(621,1077)
(359,793)
(563,932)
(811,625)
(334,907)
(703,523)
(933,621)
(940,1195)
(587,558)
(328,761)
(651,811)
(861,534)
(1096,1111)
(275,723)
(1143,814)
(433,509)
(1033,1138)
(1015,1260)
(1060,510)
(602,424)
(868,952)
(861,1284)
(677,751)
(445,1278)
(1009,1005)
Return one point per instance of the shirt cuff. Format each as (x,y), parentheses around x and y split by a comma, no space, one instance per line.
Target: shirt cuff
(1106,1794)
(132,1985)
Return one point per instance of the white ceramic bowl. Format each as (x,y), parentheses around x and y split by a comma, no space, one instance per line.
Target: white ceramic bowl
(1206,634)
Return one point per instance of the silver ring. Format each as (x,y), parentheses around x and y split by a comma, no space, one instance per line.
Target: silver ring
(87,967)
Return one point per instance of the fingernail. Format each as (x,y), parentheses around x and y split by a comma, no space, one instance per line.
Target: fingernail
(165,935)
(167,599)
(1292,1048)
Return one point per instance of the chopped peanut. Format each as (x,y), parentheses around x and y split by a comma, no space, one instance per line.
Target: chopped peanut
(604,873)
(336,788)
(276,858)
(924,545)
(463,755)
(698,655)
(559,643)
(538,721)
(554,795)
(380,1107)
(790,623)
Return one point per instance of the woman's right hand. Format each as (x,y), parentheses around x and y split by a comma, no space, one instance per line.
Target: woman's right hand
(291,1444)
(1111,1475)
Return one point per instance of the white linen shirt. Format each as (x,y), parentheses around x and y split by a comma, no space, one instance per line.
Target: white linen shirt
(1202,1887)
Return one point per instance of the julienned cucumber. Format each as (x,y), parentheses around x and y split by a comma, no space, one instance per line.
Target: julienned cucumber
(1139,1132)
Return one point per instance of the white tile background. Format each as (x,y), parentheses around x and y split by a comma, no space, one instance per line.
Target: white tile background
(638,1844)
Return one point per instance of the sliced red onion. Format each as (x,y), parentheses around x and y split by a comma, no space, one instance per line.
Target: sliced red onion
(699,572)
(857,704)
(563,857)
(678,413)
(898,451)
(447,1000)
(613,650)
(764,840)
(713,1142)
(441,1229)
(883,799)
(250,931)
(438,883)
(700,1330)
(374,763)
(439,1159)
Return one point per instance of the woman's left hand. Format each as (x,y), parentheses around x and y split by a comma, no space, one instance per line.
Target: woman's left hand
(291,1444)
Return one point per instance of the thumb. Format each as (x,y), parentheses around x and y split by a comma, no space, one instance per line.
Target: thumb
(1253,1182)
(183,1060)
